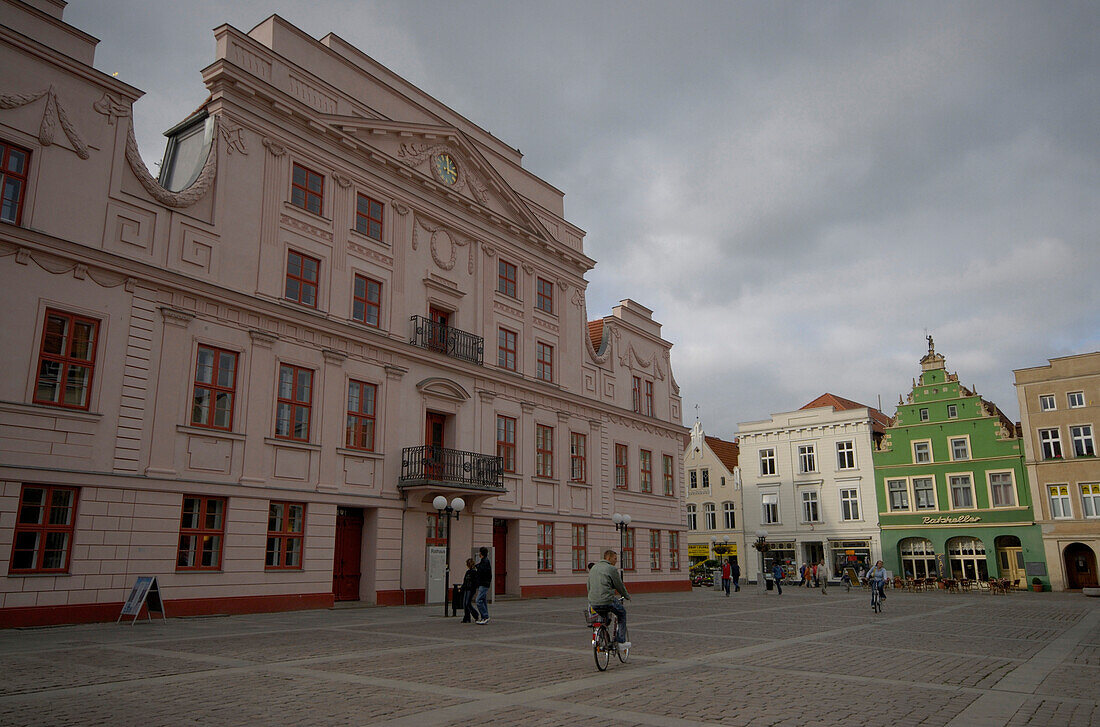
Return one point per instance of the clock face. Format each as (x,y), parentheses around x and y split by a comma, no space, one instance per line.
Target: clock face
(446,169)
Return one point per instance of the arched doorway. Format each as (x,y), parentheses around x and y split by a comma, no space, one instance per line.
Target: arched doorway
(1080,566)
(918,557)
(967,559)
(1010,557)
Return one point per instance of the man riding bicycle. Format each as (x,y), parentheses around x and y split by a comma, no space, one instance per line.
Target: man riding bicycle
(604,581)
(877,578)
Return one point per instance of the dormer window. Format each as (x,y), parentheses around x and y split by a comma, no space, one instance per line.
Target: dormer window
(186,152)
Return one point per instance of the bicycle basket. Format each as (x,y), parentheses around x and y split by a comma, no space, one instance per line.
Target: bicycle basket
(591,617)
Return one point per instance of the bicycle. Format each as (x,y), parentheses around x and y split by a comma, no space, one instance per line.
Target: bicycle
(876,598)
(604,625)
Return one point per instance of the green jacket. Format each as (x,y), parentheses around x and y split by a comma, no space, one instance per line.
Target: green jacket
(603,581)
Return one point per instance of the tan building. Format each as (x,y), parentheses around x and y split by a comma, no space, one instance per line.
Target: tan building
(252,376)
(712,488)
(1060,411)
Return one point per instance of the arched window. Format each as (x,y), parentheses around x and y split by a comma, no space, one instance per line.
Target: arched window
(710,520)
(692,523)
(918,557)
(727,511)
(967,556)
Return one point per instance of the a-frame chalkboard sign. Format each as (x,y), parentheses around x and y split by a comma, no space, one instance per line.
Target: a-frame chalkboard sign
(145,591)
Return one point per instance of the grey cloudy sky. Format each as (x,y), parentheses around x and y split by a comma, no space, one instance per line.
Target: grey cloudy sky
(798,190)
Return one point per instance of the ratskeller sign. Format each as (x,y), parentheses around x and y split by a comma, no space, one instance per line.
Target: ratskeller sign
(956,520)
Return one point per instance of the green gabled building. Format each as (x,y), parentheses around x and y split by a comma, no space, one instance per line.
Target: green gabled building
(953,495)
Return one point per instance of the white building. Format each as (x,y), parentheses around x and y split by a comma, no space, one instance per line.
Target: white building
(712,490)
(808,480)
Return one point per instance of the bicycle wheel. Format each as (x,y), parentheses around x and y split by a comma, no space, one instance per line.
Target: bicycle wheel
(601,649)
(624,652)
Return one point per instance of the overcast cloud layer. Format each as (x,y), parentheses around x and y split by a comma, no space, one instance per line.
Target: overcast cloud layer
(798,190)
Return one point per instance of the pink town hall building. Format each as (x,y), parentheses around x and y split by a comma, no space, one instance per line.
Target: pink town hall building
(251,375)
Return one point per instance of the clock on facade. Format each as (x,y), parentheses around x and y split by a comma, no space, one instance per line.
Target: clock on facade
(445,169)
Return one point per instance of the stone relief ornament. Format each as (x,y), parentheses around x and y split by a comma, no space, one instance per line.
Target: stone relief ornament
(489,251)
(276,149)
(111,108)
(343,181)
(400,208)
(233,136)
(436,234)
(53,115)
(60,266)
(415,154)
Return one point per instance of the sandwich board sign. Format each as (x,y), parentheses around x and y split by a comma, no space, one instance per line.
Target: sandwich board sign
(145,591)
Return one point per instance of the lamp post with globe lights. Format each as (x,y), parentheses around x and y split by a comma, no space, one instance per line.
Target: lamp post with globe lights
(762,547)
(456,506)
(721,549)
(622,524)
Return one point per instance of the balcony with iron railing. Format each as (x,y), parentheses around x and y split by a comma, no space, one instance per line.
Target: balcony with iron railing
(447,340)
(451,468)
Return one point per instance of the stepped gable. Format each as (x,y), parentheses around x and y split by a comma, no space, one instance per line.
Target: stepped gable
(879,420)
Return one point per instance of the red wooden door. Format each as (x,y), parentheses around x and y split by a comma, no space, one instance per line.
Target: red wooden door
(347,560)
(440,319)
(500,548)
(434,442)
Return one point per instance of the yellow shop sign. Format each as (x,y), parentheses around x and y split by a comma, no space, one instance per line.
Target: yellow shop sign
(698,549)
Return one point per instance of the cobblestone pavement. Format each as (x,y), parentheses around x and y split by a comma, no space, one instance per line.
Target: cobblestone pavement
(752,660)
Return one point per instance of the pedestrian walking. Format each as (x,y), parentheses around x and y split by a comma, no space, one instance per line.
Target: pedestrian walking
(484,583)
(727,573)
(777,574)
(802,574)
(736,574)
(469,592)
(810,575)
(823,576)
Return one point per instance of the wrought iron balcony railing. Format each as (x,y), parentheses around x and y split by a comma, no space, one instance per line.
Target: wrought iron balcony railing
(428,464)
(433,336)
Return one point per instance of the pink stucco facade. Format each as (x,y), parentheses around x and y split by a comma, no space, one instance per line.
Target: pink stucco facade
(164,278)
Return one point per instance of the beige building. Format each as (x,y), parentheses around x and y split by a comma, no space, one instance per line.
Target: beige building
(252,376)
(1060,411)
(712,490)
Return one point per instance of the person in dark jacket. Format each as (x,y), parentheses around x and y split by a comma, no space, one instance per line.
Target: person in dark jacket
(469,592)
(484,583)
(736,573)
(777,575)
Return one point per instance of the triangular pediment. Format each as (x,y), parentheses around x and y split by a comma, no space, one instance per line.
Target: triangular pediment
(419,147)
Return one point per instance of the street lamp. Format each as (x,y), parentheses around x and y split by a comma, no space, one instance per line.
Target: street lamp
(622,523)
(721,547)
(457,505)
(762,547)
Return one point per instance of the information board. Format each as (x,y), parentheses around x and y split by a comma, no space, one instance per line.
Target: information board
(145,591)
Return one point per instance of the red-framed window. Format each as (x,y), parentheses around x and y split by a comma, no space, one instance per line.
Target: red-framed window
(544,451)
(14,163)
(673,550)
(506,278)
(202,532)
(580,548)
(645,462)
(43,537)
(506,349)
(360,423)
(302,274)
(368,216)
(366,301)
(66,360)
(655,550)
(578,453)
(544,295)
(295,403)
(215,388)
(286,522)
(621,480)
(628,549)
(544,361)
(437,530)
(647,399)
(506,442)
(668,472)
(636,393)
(307,189)
(546,548)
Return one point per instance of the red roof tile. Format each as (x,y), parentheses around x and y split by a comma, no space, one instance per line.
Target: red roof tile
(725,451)
(839,403)
(595,333)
